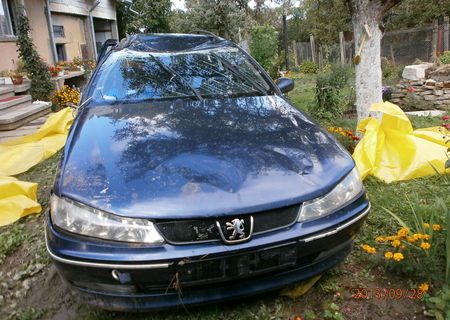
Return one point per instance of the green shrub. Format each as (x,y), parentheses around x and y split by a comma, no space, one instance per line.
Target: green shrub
(37,70)
(330,101)
(263,47)
(445,57)
(309,67)
(339,75)
(390,71)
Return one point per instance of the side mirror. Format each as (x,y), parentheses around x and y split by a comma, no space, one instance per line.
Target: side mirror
(285,84)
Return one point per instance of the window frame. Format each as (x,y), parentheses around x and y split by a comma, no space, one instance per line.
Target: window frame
(9,25)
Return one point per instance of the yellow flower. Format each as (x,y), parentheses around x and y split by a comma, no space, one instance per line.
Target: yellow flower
(436,227)
(424,287)
(379,239)
(388,255)
(395,243)
(411,239)
(417,236)
(425,245)
(369,249)
(426,236)
(426,225)
(398,256)
(403,232)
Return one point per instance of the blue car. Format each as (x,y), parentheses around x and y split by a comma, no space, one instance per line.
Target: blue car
(188,178)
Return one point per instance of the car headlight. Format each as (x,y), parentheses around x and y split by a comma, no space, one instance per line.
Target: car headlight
(342,194)
(84,220)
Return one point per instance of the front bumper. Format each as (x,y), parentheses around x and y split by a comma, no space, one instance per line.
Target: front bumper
(118,276)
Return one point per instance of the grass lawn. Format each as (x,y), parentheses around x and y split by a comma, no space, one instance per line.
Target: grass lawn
(30,288)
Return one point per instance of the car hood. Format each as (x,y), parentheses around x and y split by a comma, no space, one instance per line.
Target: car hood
(186,159)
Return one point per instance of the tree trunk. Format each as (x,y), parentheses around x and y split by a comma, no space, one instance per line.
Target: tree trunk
(368,71)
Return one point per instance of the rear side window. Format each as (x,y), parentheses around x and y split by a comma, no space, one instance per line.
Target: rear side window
(128,76)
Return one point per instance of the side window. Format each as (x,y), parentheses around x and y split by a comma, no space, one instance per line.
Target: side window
(6,23)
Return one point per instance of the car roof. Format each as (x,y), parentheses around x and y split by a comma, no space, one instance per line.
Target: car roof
(172,42)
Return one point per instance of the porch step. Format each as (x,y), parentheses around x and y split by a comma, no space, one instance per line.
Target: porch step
(19,88)
(6,91)
(15,101)
(17,116)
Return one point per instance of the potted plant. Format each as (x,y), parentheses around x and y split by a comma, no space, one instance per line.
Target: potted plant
(56,71)
(53,71)
(17,75)
(60,71)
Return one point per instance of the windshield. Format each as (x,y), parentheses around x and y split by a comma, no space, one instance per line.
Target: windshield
(128,75)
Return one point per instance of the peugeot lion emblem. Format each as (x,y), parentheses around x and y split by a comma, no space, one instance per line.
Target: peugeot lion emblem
(237,225)
(237,230)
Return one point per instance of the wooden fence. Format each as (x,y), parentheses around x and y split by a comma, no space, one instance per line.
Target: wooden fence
(401,46)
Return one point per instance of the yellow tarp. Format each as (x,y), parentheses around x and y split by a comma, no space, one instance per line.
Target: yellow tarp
(392,151)
(18,198)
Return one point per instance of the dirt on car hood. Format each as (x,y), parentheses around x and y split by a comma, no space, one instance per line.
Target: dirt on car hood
(185,159)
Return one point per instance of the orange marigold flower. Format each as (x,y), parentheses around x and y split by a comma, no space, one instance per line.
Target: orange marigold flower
(388,255)
(425,245)
(369,249)
(403,232)
(426,225)
(395,243)
(417,236)
(424,287)
(426,236)
(436,227)
(398,256)
(379,239)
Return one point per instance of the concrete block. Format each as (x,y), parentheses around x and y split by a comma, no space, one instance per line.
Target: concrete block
(415,72)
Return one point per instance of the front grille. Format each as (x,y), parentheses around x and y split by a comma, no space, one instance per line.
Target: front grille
(208,270)
(205,230)
(239,265)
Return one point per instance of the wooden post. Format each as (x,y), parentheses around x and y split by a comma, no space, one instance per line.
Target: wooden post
(392,56)
(434,42)
(285,42)
(294,49)
(313,48)
(342,46)
(446,33)
(320,57)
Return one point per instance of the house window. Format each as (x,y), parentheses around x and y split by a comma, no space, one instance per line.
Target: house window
(5,19)
(58,31)
(61,52)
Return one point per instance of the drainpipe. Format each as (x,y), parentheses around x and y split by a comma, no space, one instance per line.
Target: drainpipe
(91,24)
(48,15)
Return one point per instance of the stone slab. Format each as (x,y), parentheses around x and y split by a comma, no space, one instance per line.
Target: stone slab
(415,72)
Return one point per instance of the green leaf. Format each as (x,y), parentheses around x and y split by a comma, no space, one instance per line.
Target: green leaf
(400,221)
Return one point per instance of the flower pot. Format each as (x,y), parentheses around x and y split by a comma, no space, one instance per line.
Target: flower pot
(17,80)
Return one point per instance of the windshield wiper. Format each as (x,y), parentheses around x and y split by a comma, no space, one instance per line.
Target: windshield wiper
(175,75)
(239,74)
